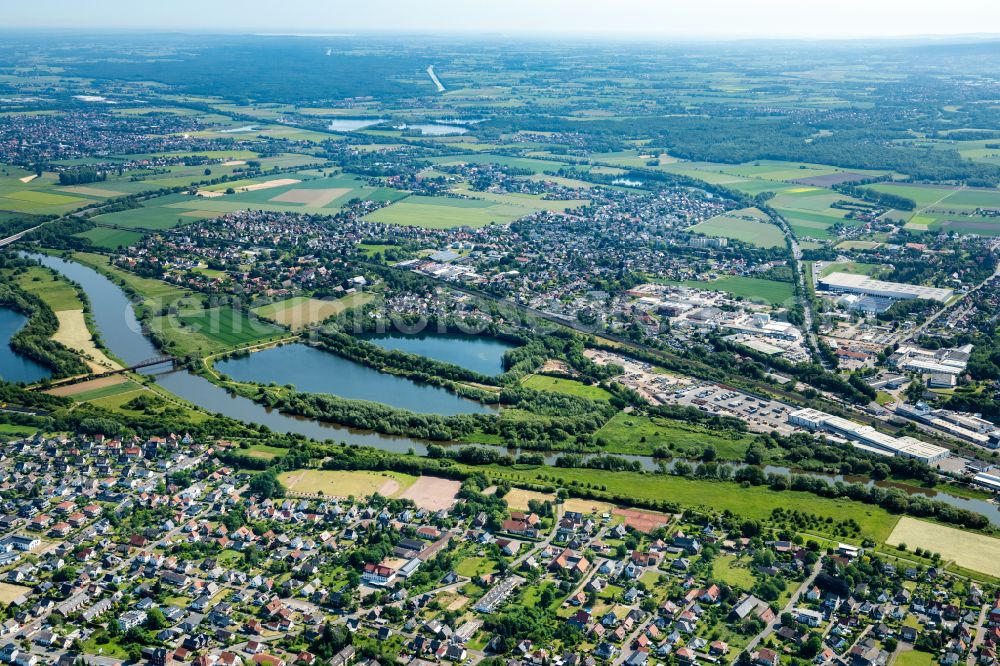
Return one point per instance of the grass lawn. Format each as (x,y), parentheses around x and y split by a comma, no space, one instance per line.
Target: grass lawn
(475,566)
(914,658)
(567,386)
(9,592)
(266,452)
(335,483)
(726,570)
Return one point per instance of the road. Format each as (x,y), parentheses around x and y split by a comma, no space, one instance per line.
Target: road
(978,638)
(806,584)
(800,278)
(435,79)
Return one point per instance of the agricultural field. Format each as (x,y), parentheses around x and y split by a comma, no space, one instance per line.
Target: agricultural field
(22,192)
(214,329)
(335,483)
(748,225)
(446,213)
(534,165)
(301,311)
(297,193)
(110,239)
(970,550)
(567,386)
(153,215)
(771,292)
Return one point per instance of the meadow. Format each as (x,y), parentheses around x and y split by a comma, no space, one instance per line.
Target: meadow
(966,549)
(746,225)
(447,213)
(631,434)
(755,502)
(216,329)
(567,386)
(771,292)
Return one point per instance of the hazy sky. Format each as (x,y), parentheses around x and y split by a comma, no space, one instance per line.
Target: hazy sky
(689,18)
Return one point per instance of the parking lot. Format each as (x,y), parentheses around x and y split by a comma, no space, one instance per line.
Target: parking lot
(759,414)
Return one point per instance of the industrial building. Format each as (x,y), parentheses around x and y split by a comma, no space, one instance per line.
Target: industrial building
(866,437)
(866,286)
(965,426)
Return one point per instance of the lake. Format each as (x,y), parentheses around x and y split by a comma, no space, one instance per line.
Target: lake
(479,354)
(13,366)
(313,370)
(121,333)
(435,129)
(353,124)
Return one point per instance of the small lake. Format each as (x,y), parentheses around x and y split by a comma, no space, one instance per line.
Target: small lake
(313,370)
(479,354)
(435,129)
(353,124)
(13,366)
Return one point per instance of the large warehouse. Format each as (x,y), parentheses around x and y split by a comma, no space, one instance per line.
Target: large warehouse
(862,284)
(866,437)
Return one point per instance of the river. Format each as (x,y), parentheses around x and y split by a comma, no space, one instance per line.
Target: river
(119,329)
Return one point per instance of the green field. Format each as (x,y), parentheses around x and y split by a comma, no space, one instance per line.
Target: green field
(914,658)
(446,213)
(567,386)
(55,290)
(106,391)
(754,289)
(737,225)
(754,502)
(216,329)
(110,239)
(726,570)
(639,435)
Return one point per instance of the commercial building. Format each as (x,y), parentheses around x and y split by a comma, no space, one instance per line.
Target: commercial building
(866,437)
(862,284)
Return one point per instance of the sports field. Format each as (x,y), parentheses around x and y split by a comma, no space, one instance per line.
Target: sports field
(744,225)
(301,311)
(966,549)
